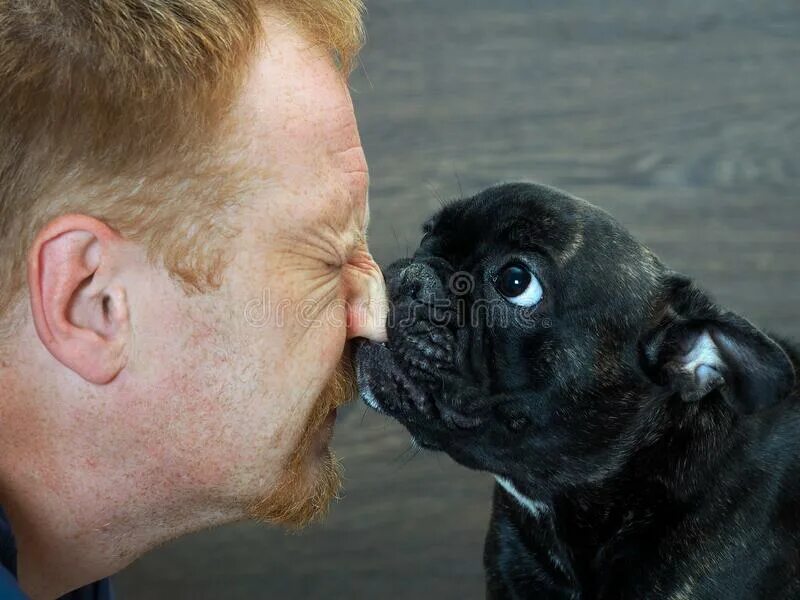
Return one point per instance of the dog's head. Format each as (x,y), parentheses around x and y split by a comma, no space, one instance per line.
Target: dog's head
(532,337)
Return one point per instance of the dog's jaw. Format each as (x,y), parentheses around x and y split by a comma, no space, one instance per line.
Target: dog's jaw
(382,382)
(364,379)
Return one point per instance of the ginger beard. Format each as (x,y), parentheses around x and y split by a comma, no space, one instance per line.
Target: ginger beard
(304,491)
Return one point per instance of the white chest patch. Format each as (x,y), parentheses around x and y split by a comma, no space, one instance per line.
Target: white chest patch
(535,507)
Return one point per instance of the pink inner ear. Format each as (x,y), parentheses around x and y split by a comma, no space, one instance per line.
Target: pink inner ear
(703,360)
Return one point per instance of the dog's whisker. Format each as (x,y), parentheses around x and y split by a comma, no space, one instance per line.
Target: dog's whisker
(458,182)
(407,456)
(438,196)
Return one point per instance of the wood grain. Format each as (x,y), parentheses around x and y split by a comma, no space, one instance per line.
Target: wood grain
(681,118)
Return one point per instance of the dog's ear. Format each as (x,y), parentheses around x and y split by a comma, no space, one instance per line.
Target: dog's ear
(696,349)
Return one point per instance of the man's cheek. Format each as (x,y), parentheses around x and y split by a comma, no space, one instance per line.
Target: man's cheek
(289,305)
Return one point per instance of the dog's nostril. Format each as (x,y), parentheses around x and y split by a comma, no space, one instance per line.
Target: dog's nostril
(410,285)
(419,282)
(412,288)
(407,286)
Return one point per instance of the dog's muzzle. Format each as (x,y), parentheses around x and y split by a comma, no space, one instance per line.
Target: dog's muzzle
(401,376)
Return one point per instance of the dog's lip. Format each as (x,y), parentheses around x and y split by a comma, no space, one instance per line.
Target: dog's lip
(363,354)
(374,362)
(368,398)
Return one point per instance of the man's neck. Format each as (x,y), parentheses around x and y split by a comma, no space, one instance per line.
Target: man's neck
(80,513)
(73,531)
(58,551)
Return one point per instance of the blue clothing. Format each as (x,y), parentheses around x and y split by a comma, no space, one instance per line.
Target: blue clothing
(9,588)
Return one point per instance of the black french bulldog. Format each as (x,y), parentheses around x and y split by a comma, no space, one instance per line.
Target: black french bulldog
(646,442)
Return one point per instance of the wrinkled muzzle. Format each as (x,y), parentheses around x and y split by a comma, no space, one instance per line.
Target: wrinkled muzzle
(412,375)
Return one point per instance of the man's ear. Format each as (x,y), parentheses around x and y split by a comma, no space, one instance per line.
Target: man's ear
(79,306)
(697,349)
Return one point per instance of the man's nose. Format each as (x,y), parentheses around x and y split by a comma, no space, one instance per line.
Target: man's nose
(367,304)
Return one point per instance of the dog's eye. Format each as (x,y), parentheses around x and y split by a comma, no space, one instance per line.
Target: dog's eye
(519,286)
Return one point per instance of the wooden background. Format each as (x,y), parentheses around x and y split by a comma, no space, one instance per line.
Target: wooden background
(680,117)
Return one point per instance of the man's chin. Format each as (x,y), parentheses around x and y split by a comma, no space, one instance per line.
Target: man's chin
(311,478)
(302,498)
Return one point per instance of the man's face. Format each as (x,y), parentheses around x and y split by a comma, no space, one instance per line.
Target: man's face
(252,365)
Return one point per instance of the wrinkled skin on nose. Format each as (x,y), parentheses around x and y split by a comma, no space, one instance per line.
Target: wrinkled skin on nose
(366,298)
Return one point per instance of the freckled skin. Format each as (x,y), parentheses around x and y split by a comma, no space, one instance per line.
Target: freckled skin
(200,422)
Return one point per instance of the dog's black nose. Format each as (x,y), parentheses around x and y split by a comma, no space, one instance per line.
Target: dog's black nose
(419,282)
(414,281)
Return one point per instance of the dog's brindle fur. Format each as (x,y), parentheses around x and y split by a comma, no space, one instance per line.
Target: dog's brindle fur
(646,442)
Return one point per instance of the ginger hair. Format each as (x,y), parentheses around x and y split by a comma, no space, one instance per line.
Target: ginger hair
(116,109)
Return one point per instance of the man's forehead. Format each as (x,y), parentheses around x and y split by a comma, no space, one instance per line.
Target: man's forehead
(294,97)
(298,136)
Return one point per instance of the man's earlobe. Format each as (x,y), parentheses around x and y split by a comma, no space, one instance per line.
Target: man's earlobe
(78,303)
(698,348)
